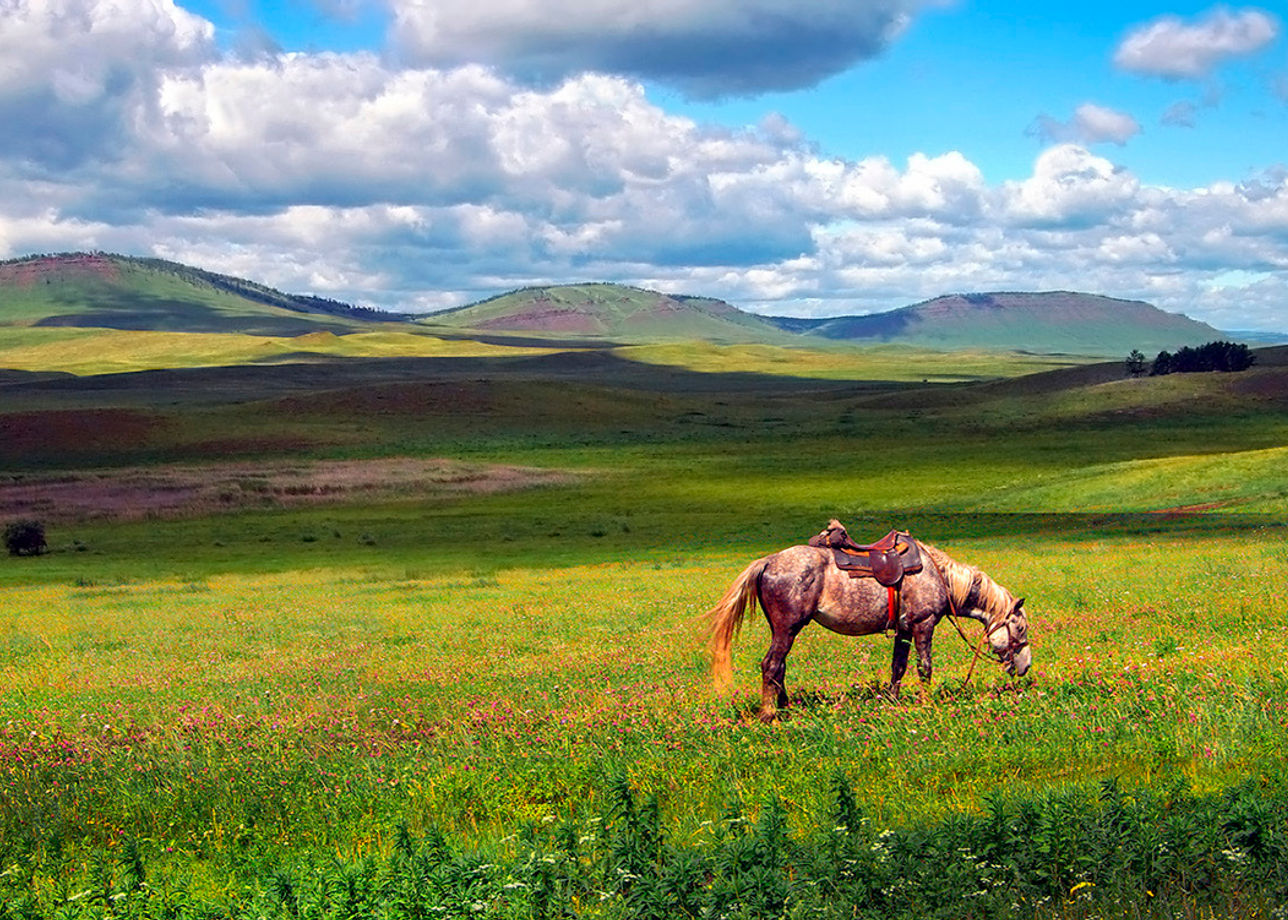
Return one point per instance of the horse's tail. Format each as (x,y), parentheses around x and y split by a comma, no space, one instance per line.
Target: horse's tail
(725,618)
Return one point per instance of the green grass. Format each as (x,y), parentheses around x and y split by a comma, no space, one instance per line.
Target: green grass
(92,351)
(844,362)
(113,351)
(315,710)
(148,293)
(246,704)
(1234,481)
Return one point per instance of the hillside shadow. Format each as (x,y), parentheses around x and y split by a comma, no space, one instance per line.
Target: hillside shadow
(944,527)
(138,312)
(589,367)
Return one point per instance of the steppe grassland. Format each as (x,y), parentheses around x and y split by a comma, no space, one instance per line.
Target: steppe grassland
(838,362)
(491,699)
(106,351)
(230,688)
(111,351)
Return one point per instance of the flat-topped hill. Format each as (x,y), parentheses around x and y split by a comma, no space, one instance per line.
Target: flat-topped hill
(1051,321)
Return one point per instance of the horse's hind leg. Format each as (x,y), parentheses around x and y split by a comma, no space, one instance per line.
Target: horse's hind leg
(899,662)
(773,673)
(788,596)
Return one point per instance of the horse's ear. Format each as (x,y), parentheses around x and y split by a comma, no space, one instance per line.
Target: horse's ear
(1018,605)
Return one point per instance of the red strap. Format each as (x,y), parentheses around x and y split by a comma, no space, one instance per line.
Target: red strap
(893,599)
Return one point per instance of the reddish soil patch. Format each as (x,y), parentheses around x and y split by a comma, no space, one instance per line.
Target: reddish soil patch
(547,319)
(177,491)
(1269,383)
(427,398)
(1181,511)
(77,431)
(225,447)
(29,272)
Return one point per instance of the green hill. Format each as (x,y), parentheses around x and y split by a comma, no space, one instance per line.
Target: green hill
(1058,322)
(614,312)
(98,290)
(1049,322)
(123,292)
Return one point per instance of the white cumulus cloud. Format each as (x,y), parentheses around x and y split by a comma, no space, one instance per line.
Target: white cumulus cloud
(1091,124)
(1070,186)
(77,75)
(1172,48)
(415,186)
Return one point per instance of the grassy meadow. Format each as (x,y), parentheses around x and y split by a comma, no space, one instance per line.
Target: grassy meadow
(476,693)
(115,351)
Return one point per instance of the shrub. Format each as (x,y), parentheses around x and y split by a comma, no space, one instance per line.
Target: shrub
(25,538)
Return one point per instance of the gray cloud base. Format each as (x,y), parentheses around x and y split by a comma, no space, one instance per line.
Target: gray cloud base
(708,48)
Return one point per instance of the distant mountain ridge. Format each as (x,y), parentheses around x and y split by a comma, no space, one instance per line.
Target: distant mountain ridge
(126,292)
(1048,321)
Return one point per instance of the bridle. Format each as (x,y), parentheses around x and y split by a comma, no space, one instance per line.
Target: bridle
(1002,622)
(1012,647)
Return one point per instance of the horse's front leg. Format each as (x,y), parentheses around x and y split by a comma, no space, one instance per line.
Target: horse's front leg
(899,662)
(773,673)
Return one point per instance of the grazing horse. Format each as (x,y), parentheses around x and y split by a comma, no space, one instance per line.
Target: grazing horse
(803,583)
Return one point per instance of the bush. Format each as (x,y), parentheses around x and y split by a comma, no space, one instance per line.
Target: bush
(25,538)
(1074,852)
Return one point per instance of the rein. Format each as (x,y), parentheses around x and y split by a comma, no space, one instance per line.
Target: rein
(953,616)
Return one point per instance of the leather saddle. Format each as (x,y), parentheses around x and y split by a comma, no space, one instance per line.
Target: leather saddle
(887,560)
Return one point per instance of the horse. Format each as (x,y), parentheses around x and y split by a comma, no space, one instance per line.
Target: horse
(801,584)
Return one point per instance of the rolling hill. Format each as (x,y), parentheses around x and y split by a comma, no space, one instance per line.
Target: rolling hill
(1058,322)
(1053,322)
(98,290)
(124,292)
(614,312)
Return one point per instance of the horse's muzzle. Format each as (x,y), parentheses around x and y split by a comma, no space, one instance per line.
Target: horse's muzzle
(1019,665)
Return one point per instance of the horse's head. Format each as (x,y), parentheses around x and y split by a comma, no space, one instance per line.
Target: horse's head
(1009,637)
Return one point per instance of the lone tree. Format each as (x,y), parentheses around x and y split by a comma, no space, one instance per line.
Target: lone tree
(25,538)
(1135,363)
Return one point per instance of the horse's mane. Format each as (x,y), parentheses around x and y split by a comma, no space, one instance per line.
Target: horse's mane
(962,577)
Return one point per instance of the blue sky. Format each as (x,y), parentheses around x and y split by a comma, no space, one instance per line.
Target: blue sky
(973,77)
(809,158)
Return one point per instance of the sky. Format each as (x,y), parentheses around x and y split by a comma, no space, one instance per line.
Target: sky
(794,157)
